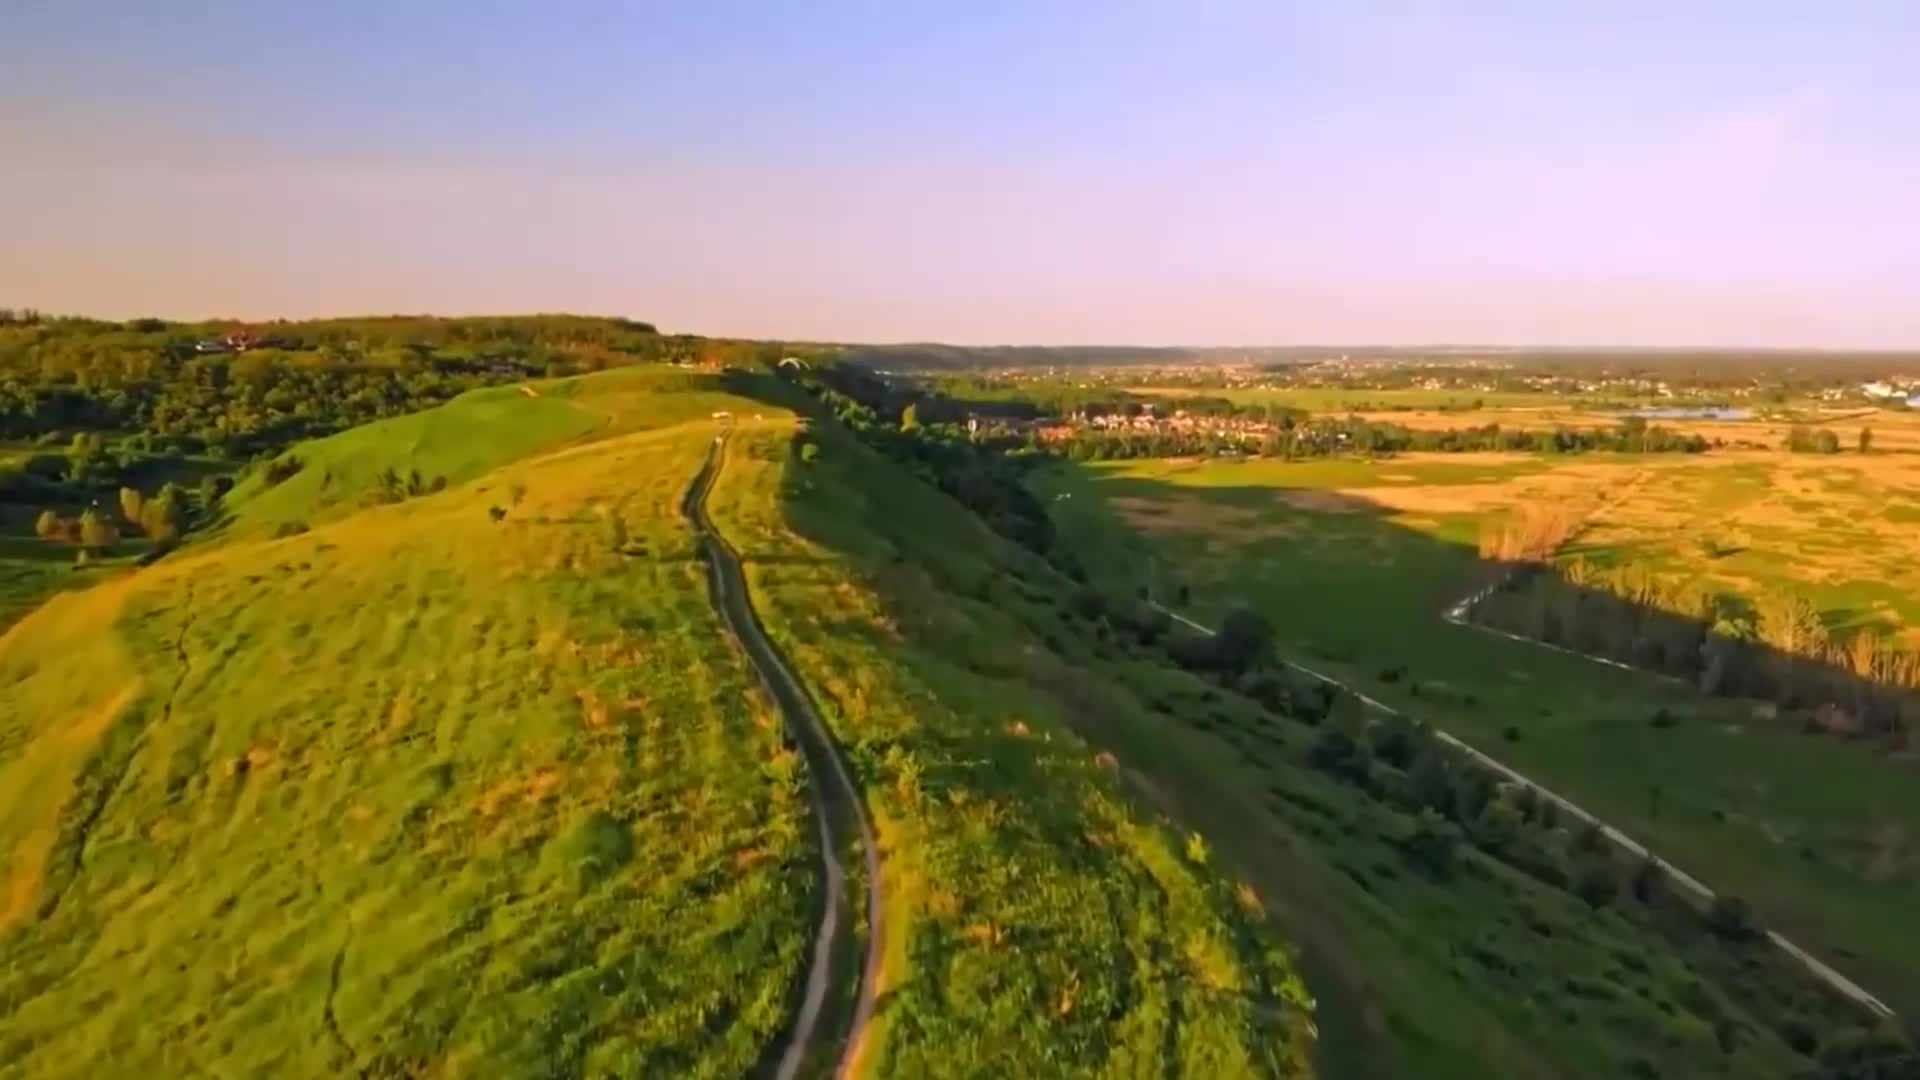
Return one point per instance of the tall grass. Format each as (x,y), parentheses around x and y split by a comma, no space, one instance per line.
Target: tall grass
(417,792)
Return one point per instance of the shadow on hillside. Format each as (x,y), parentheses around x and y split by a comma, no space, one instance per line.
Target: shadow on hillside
(1351,560)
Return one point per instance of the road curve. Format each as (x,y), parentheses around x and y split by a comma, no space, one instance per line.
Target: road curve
(836,801)
(1839,983)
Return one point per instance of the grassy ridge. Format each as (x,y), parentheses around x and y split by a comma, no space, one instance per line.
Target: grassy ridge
(424,791)
(475,432)
(416,791)
(1040,926)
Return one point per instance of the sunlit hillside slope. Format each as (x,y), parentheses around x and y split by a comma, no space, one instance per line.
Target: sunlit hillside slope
(465,779)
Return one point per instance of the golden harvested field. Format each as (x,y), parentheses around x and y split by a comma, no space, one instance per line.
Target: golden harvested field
(1893,430)
(1838,529)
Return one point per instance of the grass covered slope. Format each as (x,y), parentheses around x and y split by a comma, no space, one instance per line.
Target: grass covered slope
(1432,951)
(471,782)
(477,431)
(1038,923)
(415,792)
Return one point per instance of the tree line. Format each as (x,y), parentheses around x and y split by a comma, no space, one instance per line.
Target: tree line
(1774,648)
(1317,438)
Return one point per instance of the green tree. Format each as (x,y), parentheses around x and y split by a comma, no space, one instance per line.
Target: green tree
(83,454)
(1244,637)
(1731,918)
(132,506)
(96,532)
(1646,879)
(160,517)
(910,418)
(50,526)
(1431,843)
(1595,883)
(1430,782)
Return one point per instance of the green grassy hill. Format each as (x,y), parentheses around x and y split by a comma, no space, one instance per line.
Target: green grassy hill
(466,780)
(1525,954)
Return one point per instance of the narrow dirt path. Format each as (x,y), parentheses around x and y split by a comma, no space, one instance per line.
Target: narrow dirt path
(837,805)
(1839,983)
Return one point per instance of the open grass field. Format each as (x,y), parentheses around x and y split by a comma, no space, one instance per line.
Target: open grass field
(455,862)
(1355,562)
(413,792)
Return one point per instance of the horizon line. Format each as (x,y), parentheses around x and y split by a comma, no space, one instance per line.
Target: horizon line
(921,343)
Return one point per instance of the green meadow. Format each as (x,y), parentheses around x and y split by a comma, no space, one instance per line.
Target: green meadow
(1355,565)
(417,791)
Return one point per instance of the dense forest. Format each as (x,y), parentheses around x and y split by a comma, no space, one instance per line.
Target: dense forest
(235,391)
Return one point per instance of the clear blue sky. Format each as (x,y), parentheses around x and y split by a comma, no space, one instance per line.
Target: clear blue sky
(1696,173)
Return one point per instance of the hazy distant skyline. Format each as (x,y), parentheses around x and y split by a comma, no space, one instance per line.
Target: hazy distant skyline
(1612,174)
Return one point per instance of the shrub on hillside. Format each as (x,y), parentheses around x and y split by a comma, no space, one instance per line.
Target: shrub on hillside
(280,470)
(1594,883)
(1430,844)
(1245,636)
(1731,919)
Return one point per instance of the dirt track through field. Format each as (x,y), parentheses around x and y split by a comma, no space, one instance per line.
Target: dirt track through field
(1838,982)
(836,804)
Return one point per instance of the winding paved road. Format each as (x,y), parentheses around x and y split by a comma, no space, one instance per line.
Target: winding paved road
(1457,614)
(836,801)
